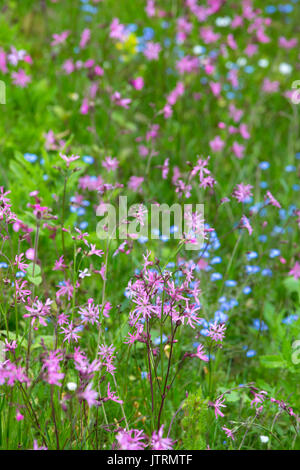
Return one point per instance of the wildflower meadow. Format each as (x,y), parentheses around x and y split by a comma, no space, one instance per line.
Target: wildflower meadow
(150,225)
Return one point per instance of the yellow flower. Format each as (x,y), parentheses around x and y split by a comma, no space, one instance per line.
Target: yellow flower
(129,45)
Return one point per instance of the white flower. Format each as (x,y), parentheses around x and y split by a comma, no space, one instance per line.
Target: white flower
(264,439)
(285,68)
(84,273)
(71,386)
(241,61)
(198,50)
(263,63)
(223,22)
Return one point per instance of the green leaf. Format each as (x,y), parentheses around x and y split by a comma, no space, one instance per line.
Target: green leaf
(292,285)
(269,312)
(233,396)
(35,280)
(33,270)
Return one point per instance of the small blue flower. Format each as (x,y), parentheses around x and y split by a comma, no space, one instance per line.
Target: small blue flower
(216,260)
(251,353)
(148,33)
(157,340)
(252,269)
(270,9)
(274,253)
(286,8)
(20,274)
(225,306)
(30,157)
(81,211)
(249,69)
(79,328)
(290,168)
(204,332)
(216,244)
(88,159)
(216,277)
(172,265)
(264,165)
(290,319)
(141,45)
(230,283)
(252,255)
(282,214)
(247,290)
(276,230)
(267,272)
(292,209)
(248,200)
(132,28)
(230,95)
(220,317)
(89,9)
(233,303)
(213,53)
(259,325)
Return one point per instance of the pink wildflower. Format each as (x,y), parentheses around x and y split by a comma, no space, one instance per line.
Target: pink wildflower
(228,432)
(158,442)
(59,38)
(217,331)
(69,160)
(295,271)
(242,192)
(20,78)
(152,50)
(270,199)
(131,440)
(217,406)
(200,353)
